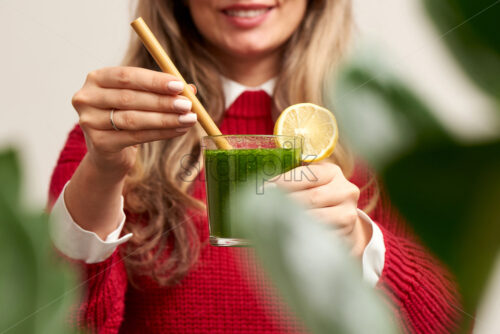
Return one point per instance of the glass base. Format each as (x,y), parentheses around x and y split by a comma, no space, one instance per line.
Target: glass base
(228,242)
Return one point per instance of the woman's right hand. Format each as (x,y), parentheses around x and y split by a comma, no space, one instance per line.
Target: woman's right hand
(147,107)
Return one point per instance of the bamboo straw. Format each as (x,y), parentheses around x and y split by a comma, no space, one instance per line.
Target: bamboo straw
(167,66)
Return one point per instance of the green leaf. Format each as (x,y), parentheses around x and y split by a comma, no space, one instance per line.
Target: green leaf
(448,191)
(470,29)
(451,195)
(311,267)
(19,273)
(379,114)
(35,291)
(57,289)
(10,177)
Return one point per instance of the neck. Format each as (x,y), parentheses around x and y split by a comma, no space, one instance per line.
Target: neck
(250,71)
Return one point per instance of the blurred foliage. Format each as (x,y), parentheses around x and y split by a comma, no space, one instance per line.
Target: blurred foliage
(382,117)
(311,267)
(448,190)
(451,195)
(470,29)
(35,290)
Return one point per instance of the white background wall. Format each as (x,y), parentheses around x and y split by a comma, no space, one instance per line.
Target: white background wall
(49,46)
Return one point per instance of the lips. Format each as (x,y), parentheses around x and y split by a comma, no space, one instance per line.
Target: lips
(246,15)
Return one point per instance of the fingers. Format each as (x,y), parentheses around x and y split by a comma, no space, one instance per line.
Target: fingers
(127,99)
(147,107)
(342,217)
(305,177)
(134,120)
(111,141)
(136,78)
(333,193)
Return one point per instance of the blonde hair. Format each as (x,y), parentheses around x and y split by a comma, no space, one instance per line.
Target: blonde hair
(155,192)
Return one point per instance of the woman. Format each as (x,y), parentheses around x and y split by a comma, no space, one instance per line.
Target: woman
(249,60)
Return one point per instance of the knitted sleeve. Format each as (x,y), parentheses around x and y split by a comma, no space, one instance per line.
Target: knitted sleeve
(422,292)
(103,301)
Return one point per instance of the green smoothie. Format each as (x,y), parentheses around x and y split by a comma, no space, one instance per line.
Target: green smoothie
(227,171)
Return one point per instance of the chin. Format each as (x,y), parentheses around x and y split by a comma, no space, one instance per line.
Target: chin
(249,52)
(249,48)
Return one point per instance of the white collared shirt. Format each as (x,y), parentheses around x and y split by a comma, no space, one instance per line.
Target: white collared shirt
(79,244)
(232,90)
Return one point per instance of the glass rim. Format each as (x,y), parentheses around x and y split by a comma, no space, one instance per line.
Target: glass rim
(248,135)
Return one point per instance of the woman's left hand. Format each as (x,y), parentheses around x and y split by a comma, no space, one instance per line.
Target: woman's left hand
(325,192)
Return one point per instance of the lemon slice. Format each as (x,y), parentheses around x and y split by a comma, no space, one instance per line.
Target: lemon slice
(316,124)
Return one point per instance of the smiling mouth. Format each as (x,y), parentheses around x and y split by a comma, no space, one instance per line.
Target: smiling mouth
(246,13)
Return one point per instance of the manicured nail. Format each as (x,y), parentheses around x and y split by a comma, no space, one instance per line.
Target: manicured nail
(188,118)
(183,104)
(176,86)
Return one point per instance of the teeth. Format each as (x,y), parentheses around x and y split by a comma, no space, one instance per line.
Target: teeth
(246,13)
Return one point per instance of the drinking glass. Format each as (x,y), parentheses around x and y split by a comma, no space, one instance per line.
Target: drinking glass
(253,160)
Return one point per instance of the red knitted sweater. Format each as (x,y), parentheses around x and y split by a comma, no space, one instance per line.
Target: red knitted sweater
(224,293)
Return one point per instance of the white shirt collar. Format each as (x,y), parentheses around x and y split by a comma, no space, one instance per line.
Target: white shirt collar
(232,89)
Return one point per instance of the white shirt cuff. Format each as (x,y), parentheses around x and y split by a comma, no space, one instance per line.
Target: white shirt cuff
(77,243)
(374,255)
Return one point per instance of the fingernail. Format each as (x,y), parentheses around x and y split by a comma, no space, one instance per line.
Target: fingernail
(193,88)
(188,118)
(176,86)
(183,104)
